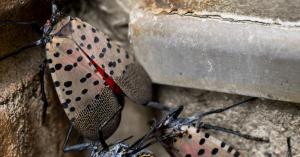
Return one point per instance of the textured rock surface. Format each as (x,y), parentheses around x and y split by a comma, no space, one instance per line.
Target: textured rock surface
(13,36)
(265,118)
(22,133)
(275,9)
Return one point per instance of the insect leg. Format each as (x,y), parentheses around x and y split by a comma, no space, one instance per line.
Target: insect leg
(44,98)
(100,132)
(77,147)
(11,22)
(230,131)
(289,153)
(102,140)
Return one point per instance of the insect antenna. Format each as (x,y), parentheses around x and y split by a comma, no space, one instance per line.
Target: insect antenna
(201,115)
(33,44)
(230,131)
(11,22)
(33,24)
(288,141)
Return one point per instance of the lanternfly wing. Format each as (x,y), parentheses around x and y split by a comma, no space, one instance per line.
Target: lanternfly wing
(191,142)
(119,64)
(74,77)
(80,87)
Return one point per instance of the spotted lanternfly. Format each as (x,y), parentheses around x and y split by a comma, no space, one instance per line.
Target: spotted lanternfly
(191,142)
(91,74)
(183,137)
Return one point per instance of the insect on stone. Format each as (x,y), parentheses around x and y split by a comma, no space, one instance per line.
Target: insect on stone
(91,74)
(184,137)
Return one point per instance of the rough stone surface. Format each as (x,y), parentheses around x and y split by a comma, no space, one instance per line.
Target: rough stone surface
(14,36)
(219,52)
(22,133)
(283,10)
(265,118)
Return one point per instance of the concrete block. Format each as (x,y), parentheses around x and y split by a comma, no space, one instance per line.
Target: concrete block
(219,51)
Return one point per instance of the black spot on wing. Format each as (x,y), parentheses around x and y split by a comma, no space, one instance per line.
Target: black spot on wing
(72,109)
(96,39)
(229,149)
(82,80)
(79,59)
(206,135)
(89,46)
(84,91)
(236,154)
(83,37)
(69,51)
(56,54)
(68,67)
(88,75)
(96,82)
(49,61)
(109,45)
(202,141)
(201,152)
(58,66)
(56,83)
(77,98)
(214,151)
(69,92)
(68,84)
(223,144)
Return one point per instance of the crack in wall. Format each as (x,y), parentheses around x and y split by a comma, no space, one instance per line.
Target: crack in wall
(227,17)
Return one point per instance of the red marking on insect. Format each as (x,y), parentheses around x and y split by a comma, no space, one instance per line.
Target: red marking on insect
(108,80)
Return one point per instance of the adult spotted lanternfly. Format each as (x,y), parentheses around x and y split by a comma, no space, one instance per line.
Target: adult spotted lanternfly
(91,74)
(183,137)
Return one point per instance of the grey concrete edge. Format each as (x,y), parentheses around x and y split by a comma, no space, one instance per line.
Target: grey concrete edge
(173,46)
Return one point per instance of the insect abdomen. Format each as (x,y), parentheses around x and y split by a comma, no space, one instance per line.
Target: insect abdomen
(97,112)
